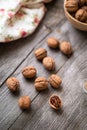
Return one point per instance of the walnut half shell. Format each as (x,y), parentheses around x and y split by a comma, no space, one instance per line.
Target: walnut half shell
(55,102)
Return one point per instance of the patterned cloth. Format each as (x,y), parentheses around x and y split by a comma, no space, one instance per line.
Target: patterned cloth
(20,18)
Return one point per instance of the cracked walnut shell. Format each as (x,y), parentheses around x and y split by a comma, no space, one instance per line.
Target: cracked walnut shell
(41,84)
(66,48)
(49,63)
(55,102)
(40,53)
(13,84)
(55,81)
(24,102)
(86,2)
(29,72)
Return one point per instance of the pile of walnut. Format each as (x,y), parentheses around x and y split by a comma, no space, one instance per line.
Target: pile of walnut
(78,9)
(42,83)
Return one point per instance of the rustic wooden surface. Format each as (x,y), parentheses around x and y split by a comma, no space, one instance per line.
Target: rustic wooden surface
(73,71)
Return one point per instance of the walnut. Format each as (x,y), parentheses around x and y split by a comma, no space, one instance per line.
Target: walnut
(13,84)
(81,2)
(41,84)
(86,21)
(66,48)
(81,15)
(47,1)
(55,81)
(29,72)
(71,6)
(52,42)
(24,102)
(86,2)
(40,53)
(85,8)
(55,102)
(49,63)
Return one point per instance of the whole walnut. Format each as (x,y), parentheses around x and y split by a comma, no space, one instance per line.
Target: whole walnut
(55,81)
(85,8)
(55,102)
(24,102)
(52,42)
(49,63)
(86,21)
(29,72)
(85,2)
(66,48)
(71,6)
(40,53)
(81,2)
(41,84)
(81,15)
(13,84)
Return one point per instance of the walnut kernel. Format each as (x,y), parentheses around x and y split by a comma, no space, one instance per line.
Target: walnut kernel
(55,102)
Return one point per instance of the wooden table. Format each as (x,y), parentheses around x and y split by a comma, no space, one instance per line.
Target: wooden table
(72,70)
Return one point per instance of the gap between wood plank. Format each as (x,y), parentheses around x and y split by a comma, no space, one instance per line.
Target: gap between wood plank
(25,57)
(55,73)
(50,31)
(58,70)
(21,113)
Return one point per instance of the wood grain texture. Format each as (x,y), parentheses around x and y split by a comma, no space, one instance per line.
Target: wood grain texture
(13,54)
(73,114)
(73,71)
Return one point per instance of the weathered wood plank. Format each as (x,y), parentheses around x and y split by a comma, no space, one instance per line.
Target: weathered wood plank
(73,115)
(9,110)
(25,88)
(12,55)
(55,14)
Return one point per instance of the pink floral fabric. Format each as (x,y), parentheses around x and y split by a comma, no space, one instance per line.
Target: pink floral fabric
(19,18)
